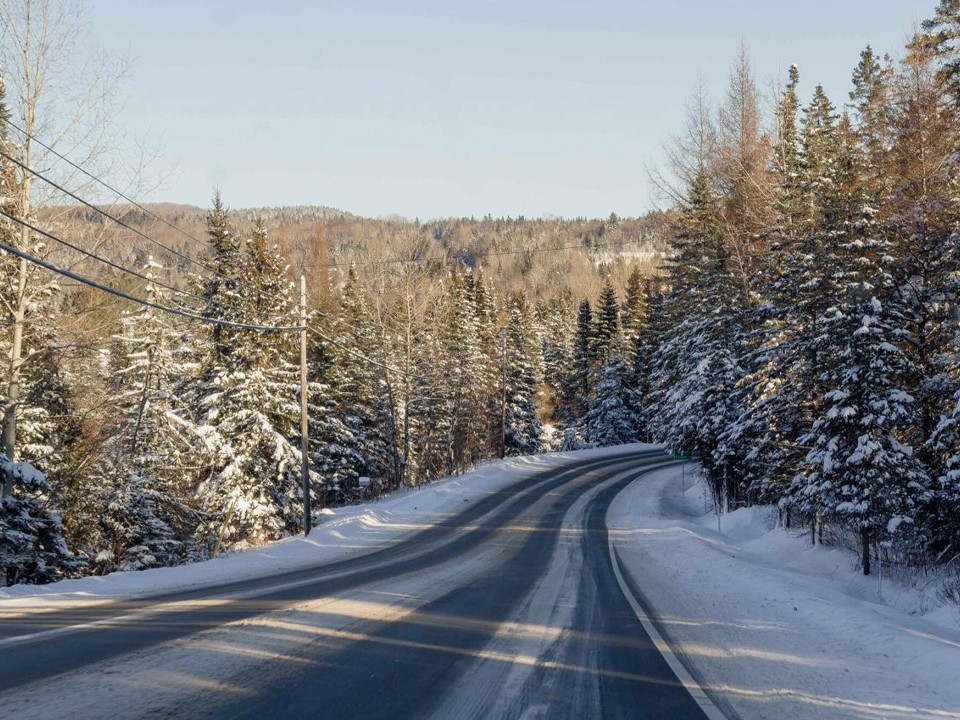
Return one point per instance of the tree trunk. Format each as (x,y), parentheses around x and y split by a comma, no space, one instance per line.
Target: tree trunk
(13,387)
(865,549)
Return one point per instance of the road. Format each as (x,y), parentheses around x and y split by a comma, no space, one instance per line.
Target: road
(509,609)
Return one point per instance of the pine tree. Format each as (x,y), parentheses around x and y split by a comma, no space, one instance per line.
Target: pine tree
(522,429)
(144,476)
(944,36)
(632,311)
(247,395)
(578,386)
(360,384)
(32,545)
(607,329)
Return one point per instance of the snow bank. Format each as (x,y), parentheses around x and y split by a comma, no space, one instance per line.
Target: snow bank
(773,627)
(341,533)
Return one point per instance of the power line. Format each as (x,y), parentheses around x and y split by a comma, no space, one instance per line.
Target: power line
(396,261)
(118,194)
(127,296)
(364,358)
(93,207)
(94,256)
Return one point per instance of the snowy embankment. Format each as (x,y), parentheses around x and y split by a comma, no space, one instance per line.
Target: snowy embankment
(773,627)
(347,532)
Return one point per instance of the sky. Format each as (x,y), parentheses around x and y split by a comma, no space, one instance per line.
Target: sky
(437,108)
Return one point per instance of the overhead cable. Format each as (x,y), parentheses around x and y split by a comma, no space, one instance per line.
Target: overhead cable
(99,258)
(93,207)
(120,195)
(361,356)
(128,296)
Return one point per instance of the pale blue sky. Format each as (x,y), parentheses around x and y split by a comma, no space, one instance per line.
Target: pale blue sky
(437,107)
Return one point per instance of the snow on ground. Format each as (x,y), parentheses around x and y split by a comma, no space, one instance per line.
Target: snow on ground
(347,532)
(775,628)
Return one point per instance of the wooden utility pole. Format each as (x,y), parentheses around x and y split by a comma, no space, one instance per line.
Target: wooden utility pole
(503,396)
(304,417)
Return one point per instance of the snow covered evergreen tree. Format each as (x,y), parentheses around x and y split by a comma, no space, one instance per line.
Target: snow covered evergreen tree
(461,366)
(942,33)
(612,418)
(632,313)
(360,384)
(577,392)
(246,394)
(522,429)
(430,406)
(32,545)
(144,476)
(858,472)
(606,332)
(490,357)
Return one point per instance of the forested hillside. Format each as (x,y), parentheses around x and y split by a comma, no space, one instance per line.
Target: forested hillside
(800,336)
(548,258)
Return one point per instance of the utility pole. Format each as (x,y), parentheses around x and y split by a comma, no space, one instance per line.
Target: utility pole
(503,397)
(304,418)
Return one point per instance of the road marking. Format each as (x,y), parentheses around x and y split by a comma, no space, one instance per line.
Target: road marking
(224,598)
(699,695)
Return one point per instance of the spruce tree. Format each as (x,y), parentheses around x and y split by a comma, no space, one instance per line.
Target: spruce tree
(247,395)
(859,472)
(578,385)
(32,545)
(607,328)
(632,311)
(360,384)
(943,35)
(557,329)
(872,101)
(522,429)
(612,417)
(144,475)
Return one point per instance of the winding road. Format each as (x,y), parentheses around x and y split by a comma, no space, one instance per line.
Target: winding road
(513,608)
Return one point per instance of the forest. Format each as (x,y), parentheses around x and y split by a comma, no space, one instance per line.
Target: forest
(792,321)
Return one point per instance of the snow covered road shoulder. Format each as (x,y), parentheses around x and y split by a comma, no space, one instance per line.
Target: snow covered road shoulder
(773,628)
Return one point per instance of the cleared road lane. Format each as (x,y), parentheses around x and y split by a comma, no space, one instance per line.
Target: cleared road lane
(509,609)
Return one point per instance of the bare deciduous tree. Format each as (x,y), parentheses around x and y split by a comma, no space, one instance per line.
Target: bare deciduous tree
(56,93)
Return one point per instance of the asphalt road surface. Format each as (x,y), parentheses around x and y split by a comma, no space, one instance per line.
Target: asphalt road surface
(510,609)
